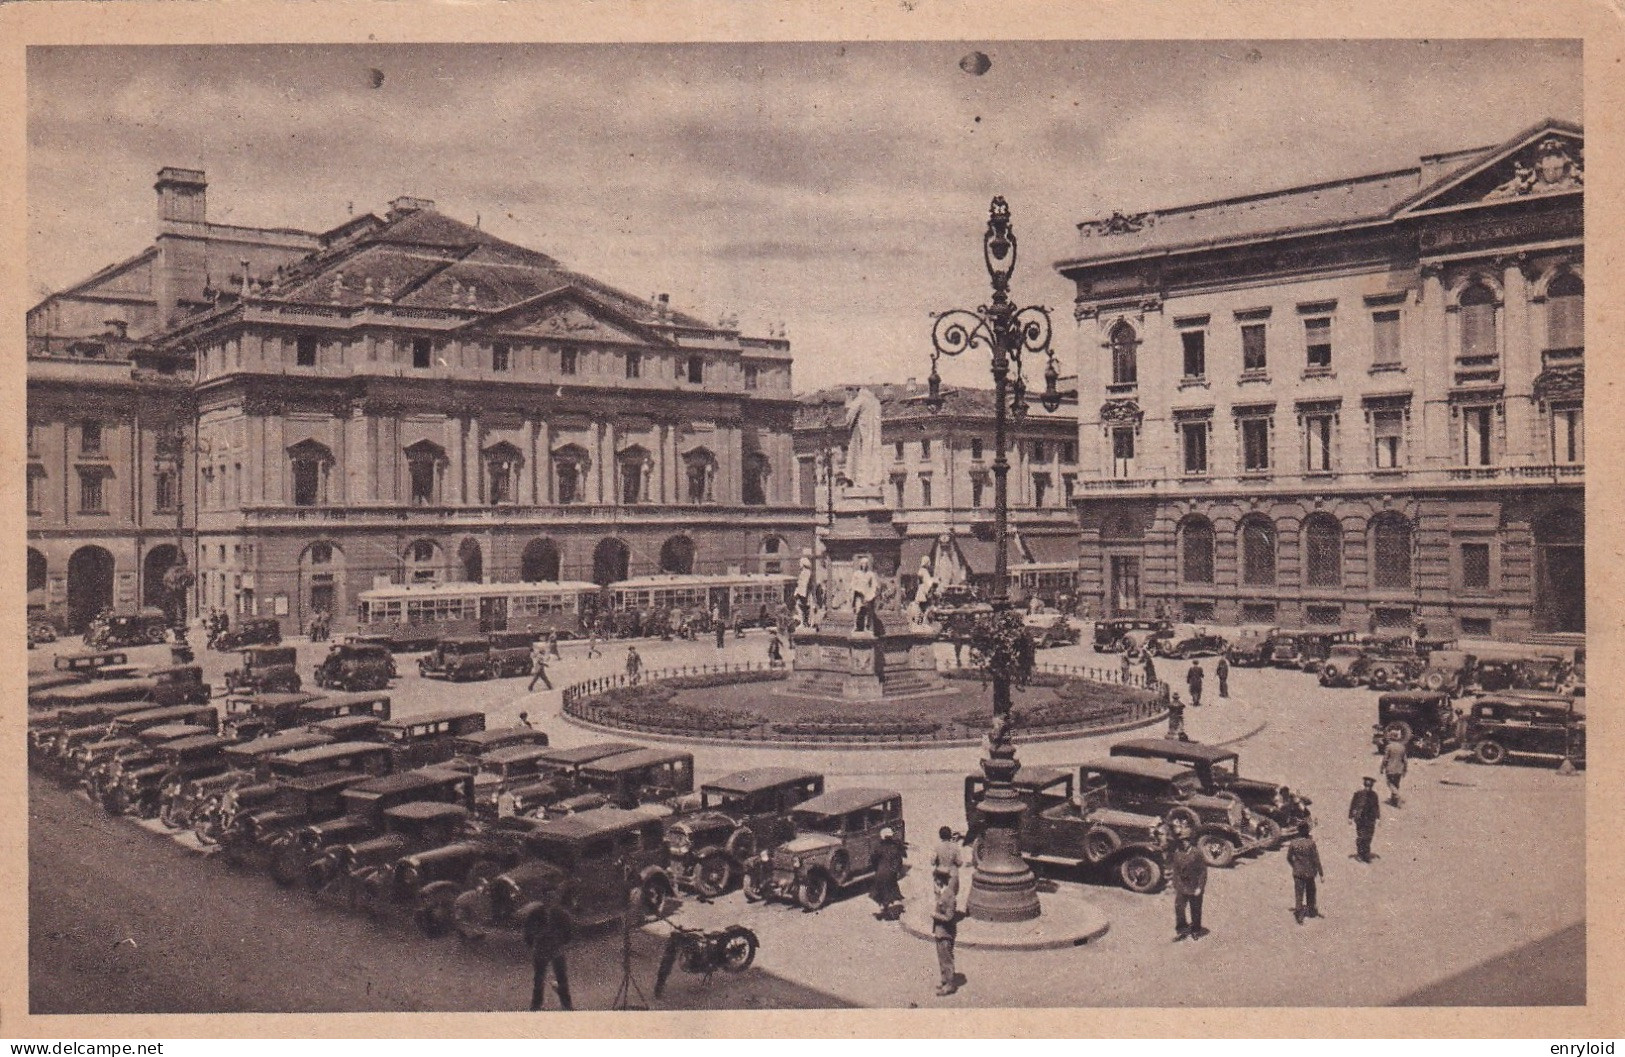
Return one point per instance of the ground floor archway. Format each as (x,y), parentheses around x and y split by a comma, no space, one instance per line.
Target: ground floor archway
(539,561)
(1560,571)
(154,591)
(90,585)
(472,560)
(677,556)
(610,561)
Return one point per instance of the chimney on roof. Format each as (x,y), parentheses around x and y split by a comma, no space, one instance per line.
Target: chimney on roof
(182,197)
(663,306)
(405,204)
(116,328)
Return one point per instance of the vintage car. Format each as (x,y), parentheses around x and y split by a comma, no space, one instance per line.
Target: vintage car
(356,666)
(468,750)
(836,837)
(643,776)
(48,731)
(1050,629)
(81,750)
(740,815)
(96,692)
(1449,670)
(558,779)
(180,684)
(348,728)
(1315,646)
(198,799)
(582,869)
(1219,769)
(1222,826)
(1284,649)
(1548,674)
(500,770)
(1188,640)
(255,715)
(252,814)
(1110,634)
(1252,647)
(39,683)
(1077,831)
(147,627)
(41,627)
(143,791)
(1424,720)
(431,880)
(103,780)
(497,655)
(265,669)
(365,867)
(333,706)
(428,737)
(250,631)
(299,853)
(251,838)
(1502,725)
(1345,665)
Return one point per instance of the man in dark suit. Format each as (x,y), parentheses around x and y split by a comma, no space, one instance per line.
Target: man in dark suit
(1188,871)
(1304,858)
(1364,810)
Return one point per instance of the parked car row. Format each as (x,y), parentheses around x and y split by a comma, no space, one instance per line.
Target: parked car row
(1492,727)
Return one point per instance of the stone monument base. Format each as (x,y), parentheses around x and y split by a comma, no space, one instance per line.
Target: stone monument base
(847,665)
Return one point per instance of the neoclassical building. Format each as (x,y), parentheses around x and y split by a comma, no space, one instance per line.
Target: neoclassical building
(408,398)
(1353,403)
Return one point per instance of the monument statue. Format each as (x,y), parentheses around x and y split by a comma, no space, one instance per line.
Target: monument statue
(804,590)
(925,593)
(865,588)
(864,466)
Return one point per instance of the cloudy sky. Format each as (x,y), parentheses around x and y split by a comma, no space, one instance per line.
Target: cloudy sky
(841,189)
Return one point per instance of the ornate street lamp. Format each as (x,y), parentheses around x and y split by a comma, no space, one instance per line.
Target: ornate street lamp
(1003,888)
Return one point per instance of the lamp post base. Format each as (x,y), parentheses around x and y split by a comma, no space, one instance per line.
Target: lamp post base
(1003,888)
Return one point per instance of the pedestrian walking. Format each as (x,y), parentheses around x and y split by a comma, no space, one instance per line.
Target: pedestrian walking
(550,936)
(1176,719)
(594,637)
(1193,679)
(1394,766)
(553,644)
(1128,668)
(775,651)
(949,854)
(959,650)
(538,667)
(1304,857)
(1364,811)
(887,865)
(739,625)
(719,626)
(1188,870)
(634,664)
(1222,671)
(1150,667)
(945,927)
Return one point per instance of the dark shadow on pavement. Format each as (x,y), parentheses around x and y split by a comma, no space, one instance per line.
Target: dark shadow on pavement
(1548,972)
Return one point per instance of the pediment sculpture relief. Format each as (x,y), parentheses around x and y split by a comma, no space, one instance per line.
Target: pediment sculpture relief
(1554,165)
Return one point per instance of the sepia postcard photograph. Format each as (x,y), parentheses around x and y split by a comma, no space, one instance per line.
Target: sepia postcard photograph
(858,518)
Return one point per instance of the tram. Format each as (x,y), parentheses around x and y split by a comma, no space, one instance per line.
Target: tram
(1049,581)
(692,598)
(416,617)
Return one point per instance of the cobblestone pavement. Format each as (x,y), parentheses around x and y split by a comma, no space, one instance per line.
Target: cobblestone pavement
(1482,866)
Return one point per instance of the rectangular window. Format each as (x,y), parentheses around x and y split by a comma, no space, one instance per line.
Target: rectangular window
(1040,453)
(1476,627)
(1069,451)
(1317,336)
(305,351)
(1122,452)
(696,369)
(750,376)
(900,485)
(90,437)
(1196,612)
(1193,446)
(1568,435)
(1475,565)
(925,448)
(33,438)
(1317,443)
(91,500)
(567,361)
(634,365)
(976,447)
(1385,338)
(33,491)
(1195,343)
(1040,488)
(422,352)
(925,491)
(163,492)
(499,357)
(1069,486)
(1476,436)
(898,448)
(1255,444)
(977,484)
(1324,616)
(1253,347)
(1258,612)
(1388,430)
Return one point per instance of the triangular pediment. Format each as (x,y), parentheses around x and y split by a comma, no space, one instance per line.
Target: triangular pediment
(571,314)
(1548,159)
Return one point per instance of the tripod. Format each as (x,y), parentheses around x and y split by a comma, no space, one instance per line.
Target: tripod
(629,983)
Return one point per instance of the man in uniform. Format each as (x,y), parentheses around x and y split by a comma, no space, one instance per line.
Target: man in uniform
(1304,858)
(1193,679)
(1188,870)
(547,952)
(1393,766)
(1364,810)
(1222,670)
(1176,719)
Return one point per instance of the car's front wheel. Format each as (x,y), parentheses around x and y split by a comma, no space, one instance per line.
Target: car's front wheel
(813,893)
(656,890)
(713,873)
(1428,745)
(1139,873)
(1399,731)
(1490,752)
(1217,850)
(434,918)
(287,866)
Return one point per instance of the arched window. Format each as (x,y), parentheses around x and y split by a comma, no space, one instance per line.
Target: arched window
(1196,550)
(756,471)
(610,561)
(1124,343)
(774,551)
(636,467)
(1323,550)
(36,570)
(1390,551)
(1565,311)
(1478,321)
(321,553)
(1257,552)
(677,556)
(473,561)
(701,472)
(570,465)
(309,464)
(539,561)
(425,470)
(422,561)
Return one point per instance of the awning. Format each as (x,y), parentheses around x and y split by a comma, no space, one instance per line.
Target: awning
(978,554)
(1052,548)
(914,548)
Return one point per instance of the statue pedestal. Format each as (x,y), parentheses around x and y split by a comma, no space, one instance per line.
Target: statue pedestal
(892,657)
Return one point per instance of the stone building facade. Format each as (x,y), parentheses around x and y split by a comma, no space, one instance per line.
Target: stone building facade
(940,478)
(1358,403)
(410,399)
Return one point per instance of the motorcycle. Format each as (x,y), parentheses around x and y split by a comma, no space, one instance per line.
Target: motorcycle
(731,949)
